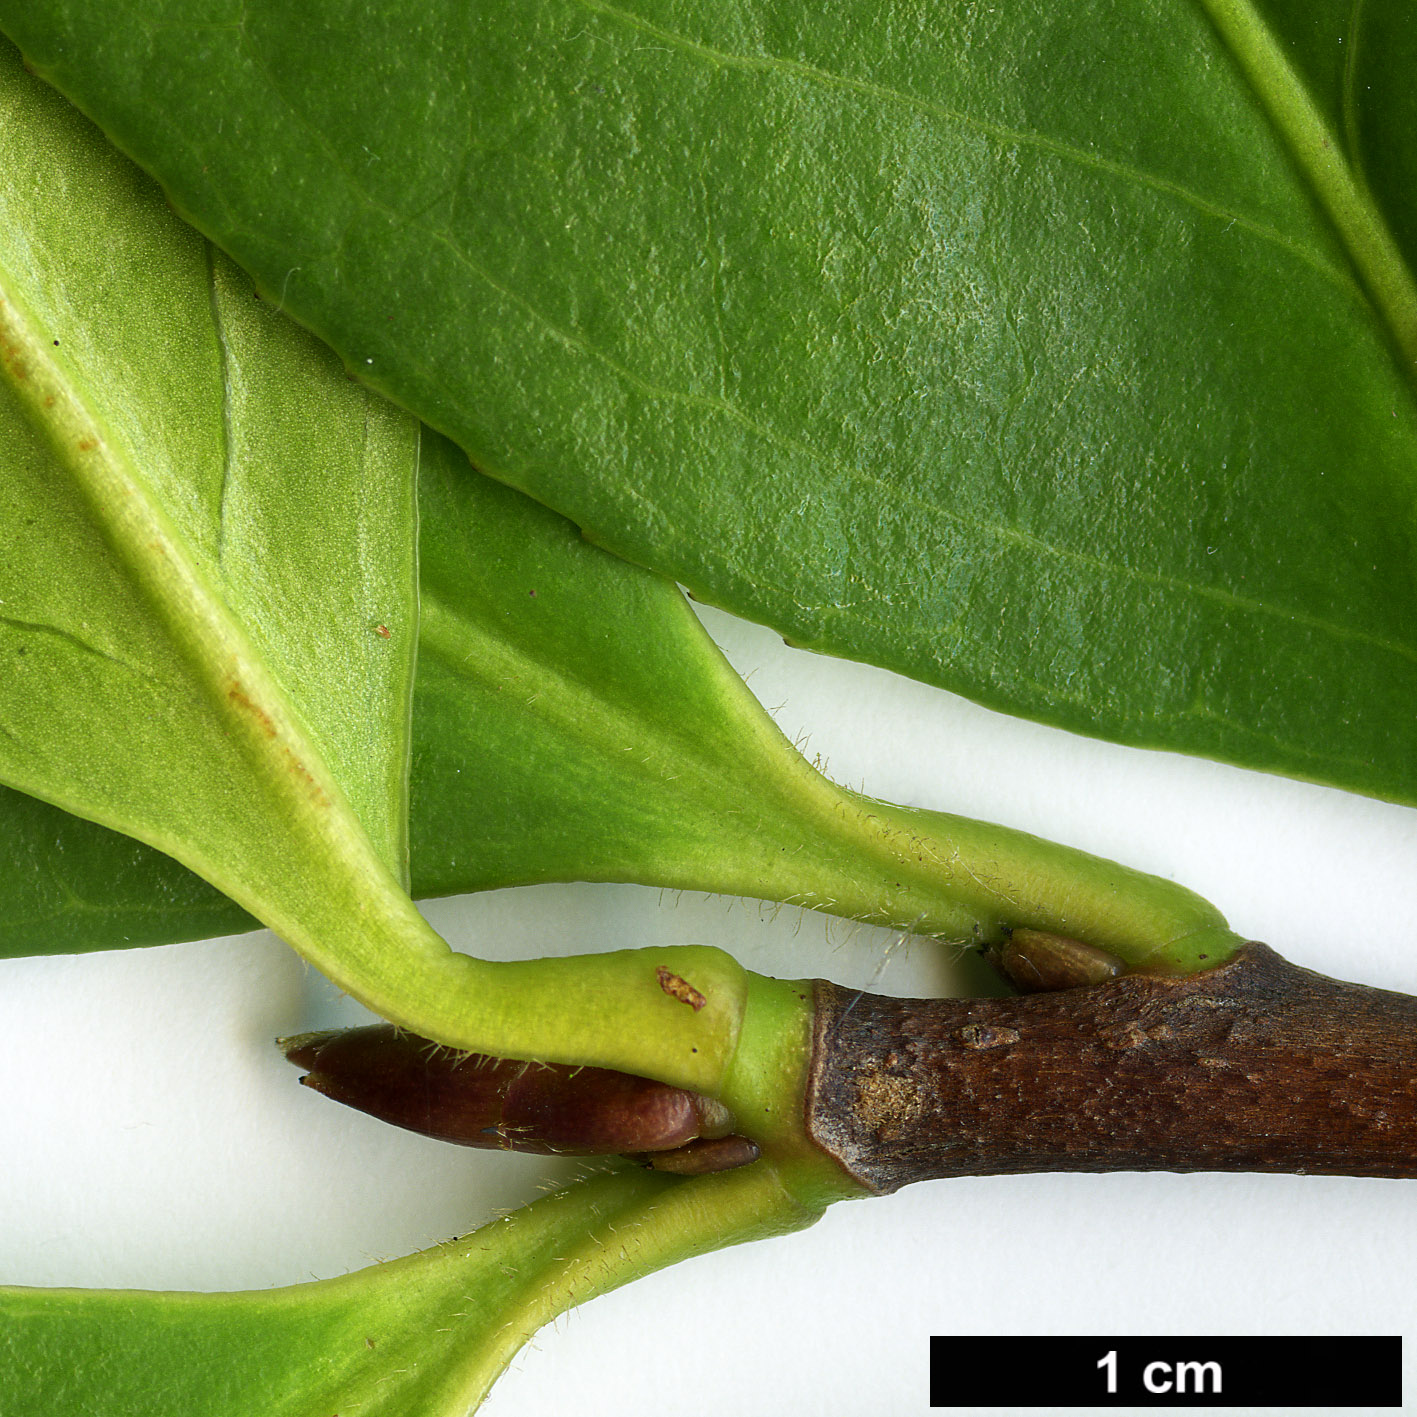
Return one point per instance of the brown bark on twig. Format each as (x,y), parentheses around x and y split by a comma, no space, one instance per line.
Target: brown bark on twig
(1256,1065)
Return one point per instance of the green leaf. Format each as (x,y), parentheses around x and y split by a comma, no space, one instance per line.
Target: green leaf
(1059,356)
(575,722)
(209,599)
(1335,81)
(207,570)
(426,1334)
(70,885)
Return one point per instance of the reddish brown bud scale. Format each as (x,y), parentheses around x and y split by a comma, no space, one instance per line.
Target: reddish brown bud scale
(502,1104)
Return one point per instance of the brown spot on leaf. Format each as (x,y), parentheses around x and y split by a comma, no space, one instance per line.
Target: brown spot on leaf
(238,696)
(299,770)
(679,988)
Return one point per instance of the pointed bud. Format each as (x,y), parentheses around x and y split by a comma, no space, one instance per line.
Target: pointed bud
(500,1103)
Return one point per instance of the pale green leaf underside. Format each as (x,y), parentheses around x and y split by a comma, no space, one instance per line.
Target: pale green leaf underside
(245,435)
(166,615)
(169,438)
(575,720)
(1043,352)
(427,1334)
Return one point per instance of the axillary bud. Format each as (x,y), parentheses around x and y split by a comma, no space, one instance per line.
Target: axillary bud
(1036,961)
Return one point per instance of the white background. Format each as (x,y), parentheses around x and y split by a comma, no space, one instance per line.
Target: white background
(153,1137)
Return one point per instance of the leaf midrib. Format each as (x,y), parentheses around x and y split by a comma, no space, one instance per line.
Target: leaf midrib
(156,554)
(711,404)
(1350,81)
(573,704)
(716,405)
(1319,155)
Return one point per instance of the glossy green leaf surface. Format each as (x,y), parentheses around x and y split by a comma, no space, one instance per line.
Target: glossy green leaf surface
(427,1334)
(1061,356)
(575,722)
